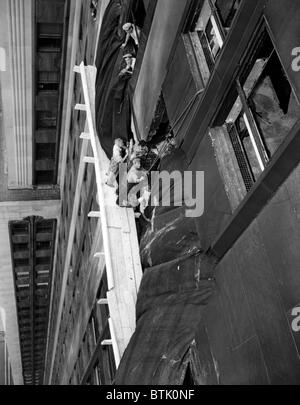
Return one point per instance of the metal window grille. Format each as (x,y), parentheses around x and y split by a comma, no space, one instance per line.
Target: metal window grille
(240,156)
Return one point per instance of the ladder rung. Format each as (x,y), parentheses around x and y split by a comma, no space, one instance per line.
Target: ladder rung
(85,135)
(99,254)
(81,107)
(76,69)
(89,159)
(94,214)
(106,342)
(102,301)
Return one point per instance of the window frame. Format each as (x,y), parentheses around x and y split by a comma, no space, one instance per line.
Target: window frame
(201,58)
(239,196)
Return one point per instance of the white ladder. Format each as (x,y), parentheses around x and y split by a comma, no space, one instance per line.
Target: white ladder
(120,243)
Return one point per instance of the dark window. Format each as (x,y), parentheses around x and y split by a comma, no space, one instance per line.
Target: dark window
(45,151)
(210,32)
(211,25)
(50,29)
(48,86)
(227,10)
(263,110)
(42,260)
(44,177)
(274,105)
(49,38)
(49,44)
(46,119)
(21,262)
(48,76)
(211,43)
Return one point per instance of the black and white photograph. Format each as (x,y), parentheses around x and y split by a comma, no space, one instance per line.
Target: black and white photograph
(149,195)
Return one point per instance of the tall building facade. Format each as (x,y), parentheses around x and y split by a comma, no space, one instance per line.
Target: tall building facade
(207,298)
(228,72)
(33,48)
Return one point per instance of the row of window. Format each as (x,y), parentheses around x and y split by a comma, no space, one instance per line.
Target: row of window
(263,108)
(49,42)
(49,37)
(83,239)
(62,238)
(45,119)
(208,33)
(95,364)
(79,260)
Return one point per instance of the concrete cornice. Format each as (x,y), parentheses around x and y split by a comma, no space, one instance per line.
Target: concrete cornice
(17,210)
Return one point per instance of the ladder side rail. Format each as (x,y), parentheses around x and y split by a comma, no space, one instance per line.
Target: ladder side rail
(99,181)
